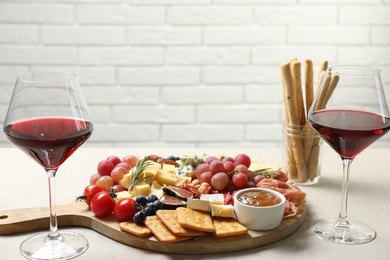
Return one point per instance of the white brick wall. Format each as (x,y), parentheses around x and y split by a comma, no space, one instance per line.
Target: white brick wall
(187,72)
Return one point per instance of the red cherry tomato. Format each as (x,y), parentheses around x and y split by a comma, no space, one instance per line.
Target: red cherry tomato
(124,210)
(90,191)
(102,204)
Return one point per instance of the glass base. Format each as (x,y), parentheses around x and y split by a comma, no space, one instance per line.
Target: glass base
(352,233)
(68,245)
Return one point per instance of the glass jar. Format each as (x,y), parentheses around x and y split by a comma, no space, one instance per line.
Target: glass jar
(301,147)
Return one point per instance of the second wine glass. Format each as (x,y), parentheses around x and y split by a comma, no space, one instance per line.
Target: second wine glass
(350,113)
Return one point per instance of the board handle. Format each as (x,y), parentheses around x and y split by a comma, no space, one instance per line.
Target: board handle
(32,219)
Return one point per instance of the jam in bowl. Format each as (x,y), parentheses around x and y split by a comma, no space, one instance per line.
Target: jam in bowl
(259,208)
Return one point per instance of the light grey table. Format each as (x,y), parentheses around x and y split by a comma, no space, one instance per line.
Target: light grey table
(23,184)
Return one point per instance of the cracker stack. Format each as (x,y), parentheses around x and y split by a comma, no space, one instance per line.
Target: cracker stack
(302,144)
(182,224)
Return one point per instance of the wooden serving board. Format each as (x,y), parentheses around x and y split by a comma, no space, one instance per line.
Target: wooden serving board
(78,214)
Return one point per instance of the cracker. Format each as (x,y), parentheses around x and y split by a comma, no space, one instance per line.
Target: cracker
(195,219)
(160,231)
(135,229)
(169,218)
(228,227)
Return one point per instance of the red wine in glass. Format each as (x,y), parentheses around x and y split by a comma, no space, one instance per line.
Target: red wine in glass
(349,132)
(49,140)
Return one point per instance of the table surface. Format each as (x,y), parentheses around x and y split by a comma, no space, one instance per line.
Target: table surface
(24,184)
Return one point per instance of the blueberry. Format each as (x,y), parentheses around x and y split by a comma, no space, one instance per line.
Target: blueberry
(171,157)
(142,200)
(149,211)
(150,204)
(157,204)
(152,198)
(139,217)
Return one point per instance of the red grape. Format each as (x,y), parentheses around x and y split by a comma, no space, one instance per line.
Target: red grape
(117,174)
(242,159)
(216,166)
(94,178)
(250,174)
(241,168)
(219,181)
(114,159)
(105,167)
(118,188)
(210,159)
(105,181)
(201,168)
(125,165)
(205,177)
(229,166)
(230,187)
(251,184)
(240,180)
(130,159)
(228,159)
(258,178)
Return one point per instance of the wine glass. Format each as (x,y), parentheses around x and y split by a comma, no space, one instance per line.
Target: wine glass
(48,119)
(350,113)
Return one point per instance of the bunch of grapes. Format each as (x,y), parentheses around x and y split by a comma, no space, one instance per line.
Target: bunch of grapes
(111,170)
(227,174)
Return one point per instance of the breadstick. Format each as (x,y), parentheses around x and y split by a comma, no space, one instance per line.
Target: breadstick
(312,143)
(296,73)
(290,160)
(328,88)
(294,120)
(321,99)
(332,85)
(322,67)
(309,91)
(314,158)
(308,142)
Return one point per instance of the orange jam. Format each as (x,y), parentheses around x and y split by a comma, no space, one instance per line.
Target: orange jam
(259,198)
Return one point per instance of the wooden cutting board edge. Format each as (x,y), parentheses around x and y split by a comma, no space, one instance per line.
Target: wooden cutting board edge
(78,214)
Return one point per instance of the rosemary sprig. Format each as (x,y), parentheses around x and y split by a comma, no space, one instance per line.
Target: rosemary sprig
(137,175)
(267,172)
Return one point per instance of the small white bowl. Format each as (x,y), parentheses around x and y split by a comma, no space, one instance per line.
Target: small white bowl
(259,218)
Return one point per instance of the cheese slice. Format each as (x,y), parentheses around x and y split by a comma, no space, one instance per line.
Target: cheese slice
(225,211)
(122,195)
(213,198)
(182,179)
(156,189)
(169,168)
(198,204)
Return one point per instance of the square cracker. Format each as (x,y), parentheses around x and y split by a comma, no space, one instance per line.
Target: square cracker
(169,218)
(228,227)
(195,219)
(160,231)
(135,229)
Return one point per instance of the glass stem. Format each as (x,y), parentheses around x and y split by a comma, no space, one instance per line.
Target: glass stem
(343,217)
(53,234)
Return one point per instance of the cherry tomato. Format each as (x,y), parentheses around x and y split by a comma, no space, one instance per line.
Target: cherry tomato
(90,191)
(102,204)
(124,210)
